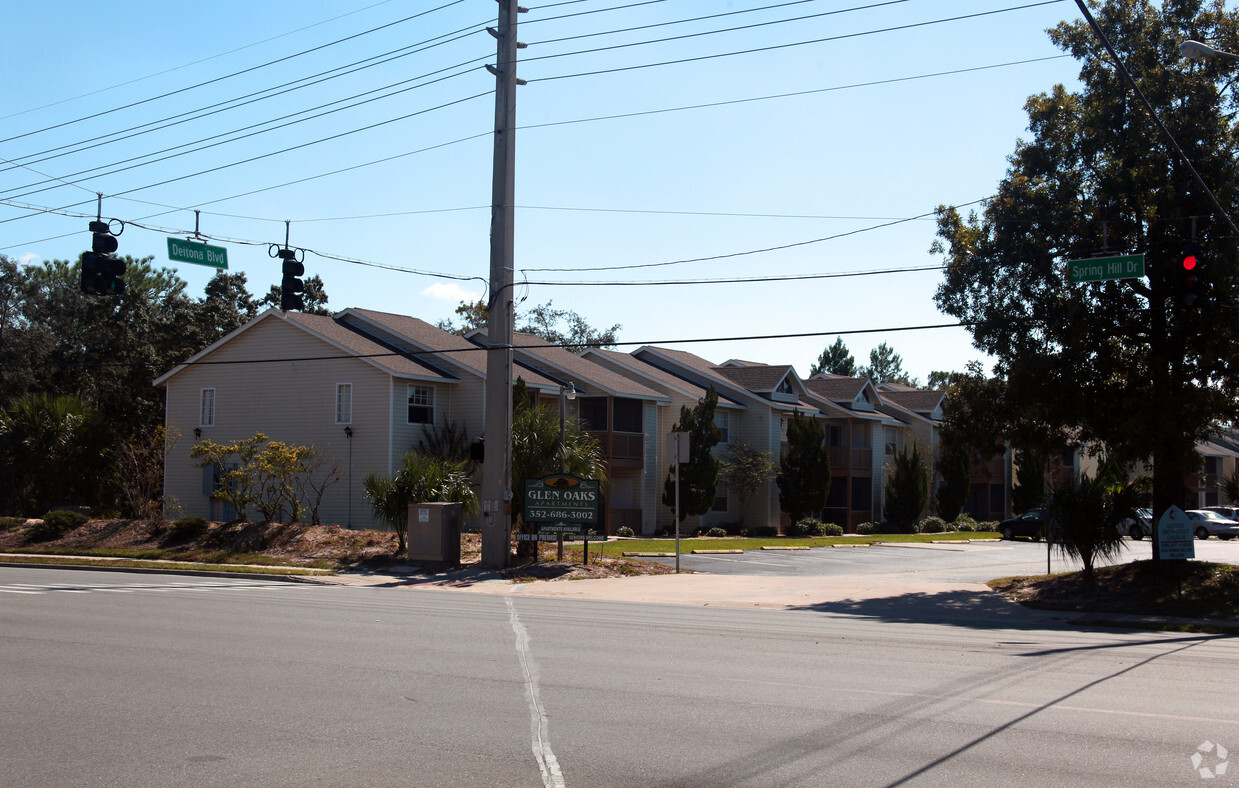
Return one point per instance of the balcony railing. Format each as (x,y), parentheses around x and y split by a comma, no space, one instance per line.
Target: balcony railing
(858,459)
(621,445)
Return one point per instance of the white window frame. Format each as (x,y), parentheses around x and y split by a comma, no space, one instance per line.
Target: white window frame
(429,403)
(206,408)
(720,492)
(722,420)
(344,403)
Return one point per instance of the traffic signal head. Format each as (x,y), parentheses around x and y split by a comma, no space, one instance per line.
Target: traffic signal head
(101,273)
(291,285)
(1191,284)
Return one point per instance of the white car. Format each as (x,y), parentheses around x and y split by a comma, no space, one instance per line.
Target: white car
(1139,526)
(1206,524)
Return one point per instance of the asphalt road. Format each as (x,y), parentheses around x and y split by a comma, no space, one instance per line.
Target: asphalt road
(116,679)
(974,562)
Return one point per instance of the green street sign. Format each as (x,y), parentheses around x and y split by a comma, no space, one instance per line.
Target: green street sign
(1128,266)
(568,501)
(197,253)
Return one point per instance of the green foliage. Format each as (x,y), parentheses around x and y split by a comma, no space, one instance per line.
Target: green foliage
(1029,489)
(965,522)
(53,450)
(804,472)
(421,479)
(537,452)
(54,525)
(835,360)
(624,530)
(886,366)
(557,326)
(761,531)
(698,476)
(955,466)
(187,528)
(139,471)
(1230,487)
(988,526)
(931,525)
(746,469)
(238,480)
(314,296)
(812,527)
(866,529)
(907,490)
(717,532)
(1165,373)
(1083,517)
(9,523)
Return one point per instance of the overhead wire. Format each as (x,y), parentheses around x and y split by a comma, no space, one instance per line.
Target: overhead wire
(229,76)
(755,50)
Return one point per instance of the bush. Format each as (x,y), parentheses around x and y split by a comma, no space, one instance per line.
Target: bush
(865,529)
(716,532)
(811,527)
(990,526)
(9,523)
(623,530)
(54,525)
(831,529)
(188,528)
(965,528)
(759,531)
(965,519)
(931,525)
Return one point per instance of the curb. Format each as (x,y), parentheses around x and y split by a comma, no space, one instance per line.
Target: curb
(283,578)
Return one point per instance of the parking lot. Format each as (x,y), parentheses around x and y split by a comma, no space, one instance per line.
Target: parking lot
(972,562)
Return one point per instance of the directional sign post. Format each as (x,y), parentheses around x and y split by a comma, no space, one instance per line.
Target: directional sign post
(1128,266)
(1174,536)
(197,253)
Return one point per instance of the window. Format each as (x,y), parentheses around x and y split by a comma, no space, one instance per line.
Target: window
(834,435)
(862,494)
(720,498)
(627,415)
(892,441)
(785,387)
(421,405)
(593,413)
(722,420)
(344,403)
(206,413)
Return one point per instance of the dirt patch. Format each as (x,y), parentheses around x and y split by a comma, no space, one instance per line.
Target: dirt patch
(293,544)
(1180,589)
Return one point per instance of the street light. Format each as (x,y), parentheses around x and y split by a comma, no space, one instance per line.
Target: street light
(565,393)
(1193,50)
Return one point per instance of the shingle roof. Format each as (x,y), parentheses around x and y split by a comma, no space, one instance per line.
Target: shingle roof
(836,388)
(571,367)
(398,363)
(755,378)
(649,370)
(915,400)
(460,350)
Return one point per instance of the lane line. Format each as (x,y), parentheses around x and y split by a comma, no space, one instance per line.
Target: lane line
(538,724)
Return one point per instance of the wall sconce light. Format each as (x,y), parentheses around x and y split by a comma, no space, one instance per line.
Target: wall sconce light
(348,432)
(197,432)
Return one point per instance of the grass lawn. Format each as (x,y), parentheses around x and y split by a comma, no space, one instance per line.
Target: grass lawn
(667,545)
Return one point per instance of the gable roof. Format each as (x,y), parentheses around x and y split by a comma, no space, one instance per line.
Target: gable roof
(915,400)
(347,342)
(646,370)
(564,365)
(836,388)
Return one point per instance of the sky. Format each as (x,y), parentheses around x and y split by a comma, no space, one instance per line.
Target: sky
(659,144)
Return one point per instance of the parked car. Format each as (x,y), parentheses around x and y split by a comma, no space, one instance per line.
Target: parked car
(1031,524)
(1229,512)
(1209,523)
(1139,526)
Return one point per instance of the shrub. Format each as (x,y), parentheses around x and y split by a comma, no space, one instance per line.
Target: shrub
(987,526)
(9,523)
(623,530)
(865,529)
(931,525)
(965,528)
(762,531)
(716,532)
(830,529)
(54,525)
(965,519)
(188,528)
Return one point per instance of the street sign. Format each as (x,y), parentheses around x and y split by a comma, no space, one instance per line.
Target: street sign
(1174,535)
(566,500)
(1128,266)
(197,253)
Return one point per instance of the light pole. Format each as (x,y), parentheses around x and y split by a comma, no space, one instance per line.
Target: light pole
(1197,50)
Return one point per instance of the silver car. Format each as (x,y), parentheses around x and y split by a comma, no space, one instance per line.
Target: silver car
(1139,526)
(1206,523)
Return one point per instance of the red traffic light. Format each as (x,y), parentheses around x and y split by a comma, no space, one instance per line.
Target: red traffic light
(1189,262)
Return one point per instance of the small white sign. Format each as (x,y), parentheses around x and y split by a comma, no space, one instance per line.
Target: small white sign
(423,515)
(678,442)
(1174,535)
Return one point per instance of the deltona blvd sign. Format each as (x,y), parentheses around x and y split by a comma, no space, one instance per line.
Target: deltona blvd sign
(562,503)
(198,253)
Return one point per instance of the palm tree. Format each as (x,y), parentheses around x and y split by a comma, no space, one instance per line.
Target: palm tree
(1084,516)
(421,479)
(53,451)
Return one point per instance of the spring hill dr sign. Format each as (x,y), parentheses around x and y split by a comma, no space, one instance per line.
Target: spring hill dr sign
(563,503)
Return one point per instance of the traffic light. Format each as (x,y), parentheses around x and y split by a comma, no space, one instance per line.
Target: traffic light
(1191,276)
(291,286)
(101,272)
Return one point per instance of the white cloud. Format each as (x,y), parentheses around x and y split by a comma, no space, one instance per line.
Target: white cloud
(29,259)
(450,291)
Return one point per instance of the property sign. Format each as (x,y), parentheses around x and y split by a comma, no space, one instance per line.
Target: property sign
(1128,266)
(1174,535)
(197,253)
(562,503)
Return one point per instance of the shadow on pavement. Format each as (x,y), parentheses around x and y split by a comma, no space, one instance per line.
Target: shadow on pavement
(977,609)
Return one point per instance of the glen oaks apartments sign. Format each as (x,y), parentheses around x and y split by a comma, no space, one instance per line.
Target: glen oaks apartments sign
(562,504)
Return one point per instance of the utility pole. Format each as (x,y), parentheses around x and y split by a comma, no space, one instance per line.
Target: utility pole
(497,467)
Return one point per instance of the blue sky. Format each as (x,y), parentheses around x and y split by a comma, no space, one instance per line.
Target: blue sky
(838,117)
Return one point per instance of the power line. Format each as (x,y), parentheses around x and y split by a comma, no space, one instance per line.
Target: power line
(262,95)
(195,62)
(229,76)
(738,280)
(771,48)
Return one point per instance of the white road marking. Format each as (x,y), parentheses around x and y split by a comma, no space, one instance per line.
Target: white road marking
(538,724)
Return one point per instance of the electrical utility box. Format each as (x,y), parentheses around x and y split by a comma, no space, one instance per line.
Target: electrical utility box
(434,532)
